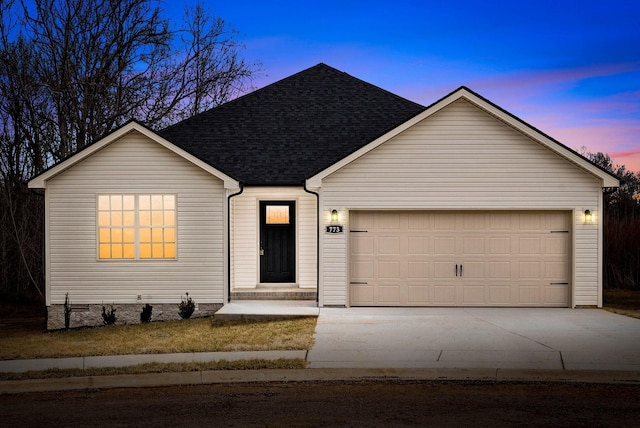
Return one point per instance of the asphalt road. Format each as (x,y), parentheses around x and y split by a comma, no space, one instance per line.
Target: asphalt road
(303,404)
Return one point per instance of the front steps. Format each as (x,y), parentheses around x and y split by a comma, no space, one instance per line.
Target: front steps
(273,293)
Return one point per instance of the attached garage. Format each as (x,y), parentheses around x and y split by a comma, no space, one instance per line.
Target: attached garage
(421,258)
(463,205)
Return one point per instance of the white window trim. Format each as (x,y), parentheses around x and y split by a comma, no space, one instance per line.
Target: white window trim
(136,228)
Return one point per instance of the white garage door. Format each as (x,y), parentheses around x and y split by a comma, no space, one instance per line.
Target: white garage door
(459,258)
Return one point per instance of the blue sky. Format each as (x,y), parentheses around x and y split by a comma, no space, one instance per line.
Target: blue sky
(569,68)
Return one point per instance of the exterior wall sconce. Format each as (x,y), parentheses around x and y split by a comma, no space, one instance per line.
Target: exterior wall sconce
(334,216)
(588,217)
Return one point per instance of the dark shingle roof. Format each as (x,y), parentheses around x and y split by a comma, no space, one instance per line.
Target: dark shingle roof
(290,130)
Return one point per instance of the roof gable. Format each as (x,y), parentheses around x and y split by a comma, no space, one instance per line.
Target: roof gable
(608,180)
(290,130)
(40,182)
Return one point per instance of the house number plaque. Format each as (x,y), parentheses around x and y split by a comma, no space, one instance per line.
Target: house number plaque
(335,229)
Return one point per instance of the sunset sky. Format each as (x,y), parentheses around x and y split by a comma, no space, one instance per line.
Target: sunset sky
(569,68)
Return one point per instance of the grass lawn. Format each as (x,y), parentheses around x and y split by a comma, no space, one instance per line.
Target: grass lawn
(29,340)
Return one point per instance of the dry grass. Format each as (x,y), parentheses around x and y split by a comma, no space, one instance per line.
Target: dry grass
(623,302)
(253,364)
(195,335)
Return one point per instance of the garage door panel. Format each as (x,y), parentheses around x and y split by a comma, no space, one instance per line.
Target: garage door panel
(444,295)
(499,294)
(500,245)
(555,271)
(500,269)
(389,270)
(444,221)
(418,245)
(472,270)
(473,245)
(362,295)
(362,269)
(503,258)
(555,245)
(444,245)
(557,293)
(443,270)
(418,295)
(473,295)
(361,244)
(389,294)
(529,245)
(389,245)
(529,295)
(418,270)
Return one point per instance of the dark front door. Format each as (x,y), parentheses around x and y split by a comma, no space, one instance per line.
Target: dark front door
(277,241)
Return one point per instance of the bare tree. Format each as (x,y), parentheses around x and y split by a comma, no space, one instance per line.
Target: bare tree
(72,71)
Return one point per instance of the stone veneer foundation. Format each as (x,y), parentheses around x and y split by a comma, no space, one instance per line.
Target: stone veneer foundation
(91,315)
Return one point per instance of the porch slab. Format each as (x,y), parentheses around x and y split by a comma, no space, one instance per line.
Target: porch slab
(260,309)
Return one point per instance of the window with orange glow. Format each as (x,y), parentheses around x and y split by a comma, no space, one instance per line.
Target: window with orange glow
(137,226)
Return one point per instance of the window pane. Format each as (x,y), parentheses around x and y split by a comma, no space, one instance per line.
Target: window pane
(104,219)
(105,251)
(145,218)
(169,235)
(103,202)
(277,214)
(170,251)
(145,235)
(169,218)
(129,235)
(157,252)
(129,251)
(129,218)
(116,251)
(105,235)
(169,202)
(145,251)
(156,202)
(144,201)
(156,218)
(116,235)
(116,202)
(116,218)
(156,235)
(128,202)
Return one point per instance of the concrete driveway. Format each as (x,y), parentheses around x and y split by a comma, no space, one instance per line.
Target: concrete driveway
(510,338)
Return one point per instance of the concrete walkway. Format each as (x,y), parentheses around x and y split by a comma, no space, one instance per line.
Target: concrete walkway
(410,343)
(253,309)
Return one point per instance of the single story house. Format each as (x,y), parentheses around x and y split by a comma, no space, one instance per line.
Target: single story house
(324,187)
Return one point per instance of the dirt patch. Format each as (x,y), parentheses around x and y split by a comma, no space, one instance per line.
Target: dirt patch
(623,302)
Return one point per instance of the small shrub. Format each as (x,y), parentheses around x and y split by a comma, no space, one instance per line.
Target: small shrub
(145,315)
(108,317)
(67,312)
(186,307)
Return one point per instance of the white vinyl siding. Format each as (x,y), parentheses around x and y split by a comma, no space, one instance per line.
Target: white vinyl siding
(245,234)
(135,164)
(462,158)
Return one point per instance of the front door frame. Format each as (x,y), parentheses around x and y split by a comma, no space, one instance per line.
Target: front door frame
(264,247)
